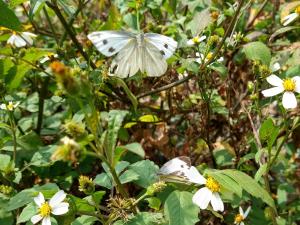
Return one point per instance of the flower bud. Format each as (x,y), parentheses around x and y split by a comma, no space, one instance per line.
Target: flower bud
(156,187)
(86,185)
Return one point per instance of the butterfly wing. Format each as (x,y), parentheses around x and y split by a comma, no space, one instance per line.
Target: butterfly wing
(164,44)
(110,42)
(127,62)
(152,60)
(175,165)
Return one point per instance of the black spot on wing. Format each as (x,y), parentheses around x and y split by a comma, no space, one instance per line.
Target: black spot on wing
(166,45)
(162,52)
(111,49)
(104,42)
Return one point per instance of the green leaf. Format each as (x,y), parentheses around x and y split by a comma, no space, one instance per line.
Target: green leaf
(227,183)
(220,69)
(84,220)
(14,3)
(4,161)
(150,118)
(180,210)
(82,204)
(199,22)
(147,172)
(36,6)
(282,31)
(260,172)
(135,148)
(115,119)
(268,132)
(29,211)
(154,202)
(250,185)
(258,51)
(8,18)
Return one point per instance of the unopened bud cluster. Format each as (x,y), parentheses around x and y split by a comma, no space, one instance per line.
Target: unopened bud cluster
(156,187)
(86,185)
(6,190)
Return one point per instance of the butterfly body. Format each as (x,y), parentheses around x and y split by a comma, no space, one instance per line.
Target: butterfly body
(146,52)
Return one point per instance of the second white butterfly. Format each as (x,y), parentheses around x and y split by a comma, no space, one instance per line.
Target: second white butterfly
(145,52)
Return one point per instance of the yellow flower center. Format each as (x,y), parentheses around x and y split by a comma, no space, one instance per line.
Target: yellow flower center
(10,106)
(196,40)
(238,218)
(209,56)
(297,10)
(212,184)
(45,209)
(289,84)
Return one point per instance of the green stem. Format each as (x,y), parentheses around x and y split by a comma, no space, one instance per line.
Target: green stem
(42,96)
(55,8)
(13,130)
(137,16)
(50,24)
(120,187)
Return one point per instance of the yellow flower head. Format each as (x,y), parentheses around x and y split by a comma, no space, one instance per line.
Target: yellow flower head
(212,184)
(289,85)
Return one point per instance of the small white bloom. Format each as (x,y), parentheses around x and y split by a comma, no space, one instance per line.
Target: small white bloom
(207,194)
(50,56)
(55,206)
(200,57)
(288,86)
(291,17)
(241,216)
(195,40)
(21,40)
(10,106)
(68,141)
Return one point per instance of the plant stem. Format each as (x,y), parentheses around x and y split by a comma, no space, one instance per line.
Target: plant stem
(120,188)
(55,8)
(42,96)
(50,24)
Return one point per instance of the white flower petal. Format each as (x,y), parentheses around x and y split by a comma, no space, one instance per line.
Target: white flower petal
(242,223)
(194,176)
(297,81)
(11,39)
(275,81)
(27,37)
(289,100)
(289,18)
(36,218)
(275,67)
(202,38)
(3,106)
(241,211)
(221,59)
(19,42)
(247,212)
(46,221)
(57,198)
(272,91)
(202,197)
(60,209)
(39,200)
(190,42)
(217,202)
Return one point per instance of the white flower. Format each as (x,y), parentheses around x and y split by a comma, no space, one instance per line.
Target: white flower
(239,218)
(200,57)
(291,17)
(50,56)
(195,40)
(10,106)
(288,86)
(22,39)
(207,194)
(55,206)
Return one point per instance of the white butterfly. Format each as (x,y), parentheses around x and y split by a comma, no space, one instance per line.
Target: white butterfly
(145,52)
(179,170)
